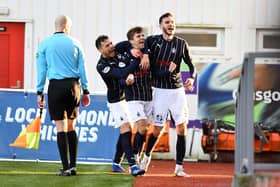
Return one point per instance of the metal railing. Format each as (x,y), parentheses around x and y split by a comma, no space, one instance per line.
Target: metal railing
(244,114)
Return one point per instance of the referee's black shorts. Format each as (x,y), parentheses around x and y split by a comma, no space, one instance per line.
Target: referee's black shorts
(64,98)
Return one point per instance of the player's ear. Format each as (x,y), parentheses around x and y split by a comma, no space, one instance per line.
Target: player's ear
(100,50)
(160,26)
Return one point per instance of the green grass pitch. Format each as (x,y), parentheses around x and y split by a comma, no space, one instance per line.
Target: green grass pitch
(41,174)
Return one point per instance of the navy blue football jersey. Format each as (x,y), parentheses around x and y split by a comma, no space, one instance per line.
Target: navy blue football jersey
(162,53)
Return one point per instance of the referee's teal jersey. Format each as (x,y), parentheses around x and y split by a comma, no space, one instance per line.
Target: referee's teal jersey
(60,56)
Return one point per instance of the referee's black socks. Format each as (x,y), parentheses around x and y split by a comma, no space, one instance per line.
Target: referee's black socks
(73,147)
(62,147)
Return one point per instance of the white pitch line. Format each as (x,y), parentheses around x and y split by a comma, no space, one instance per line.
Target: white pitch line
(52,173)
(107,173)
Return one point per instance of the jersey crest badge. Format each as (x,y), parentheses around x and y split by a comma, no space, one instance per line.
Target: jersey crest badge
(121,64)
(106,69)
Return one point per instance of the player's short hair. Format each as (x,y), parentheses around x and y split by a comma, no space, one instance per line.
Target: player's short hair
(100,39)
(131,32)
(165,15)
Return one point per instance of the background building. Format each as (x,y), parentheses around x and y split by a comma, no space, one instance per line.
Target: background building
(217,30)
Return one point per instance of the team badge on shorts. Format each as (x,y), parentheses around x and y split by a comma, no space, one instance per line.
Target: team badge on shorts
(159,118)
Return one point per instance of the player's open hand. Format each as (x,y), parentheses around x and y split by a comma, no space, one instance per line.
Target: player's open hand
(136,53)
(145,62)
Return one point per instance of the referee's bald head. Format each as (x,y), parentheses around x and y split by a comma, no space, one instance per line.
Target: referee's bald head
(63,24)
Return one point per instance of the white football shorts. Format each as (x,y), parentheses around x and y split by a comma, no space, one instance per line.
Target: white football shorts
(140,110)
(119,112)
(171,101)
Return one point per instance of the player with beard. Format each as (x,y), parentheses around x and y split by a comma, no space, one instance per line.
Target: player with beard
(112,68)
(166,52)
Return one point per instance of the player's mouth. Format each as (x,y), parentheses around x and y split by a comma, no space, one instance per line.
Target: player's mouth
(112,50)
(171,29)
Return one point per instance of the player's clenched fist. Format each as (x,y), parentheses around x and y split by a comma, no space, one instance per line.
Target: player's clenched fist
(172,67)
(189,84)
(130,79)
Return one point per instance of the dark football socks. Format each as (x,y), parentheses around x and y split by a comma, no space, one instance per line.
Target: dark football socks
(119,151)
(139,140)
(62,147)
(151,143)
(126,146)
(73,147)
(180,149)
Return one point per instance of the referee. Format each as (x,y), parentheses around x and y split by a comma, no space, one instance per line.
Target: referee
(60,58)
